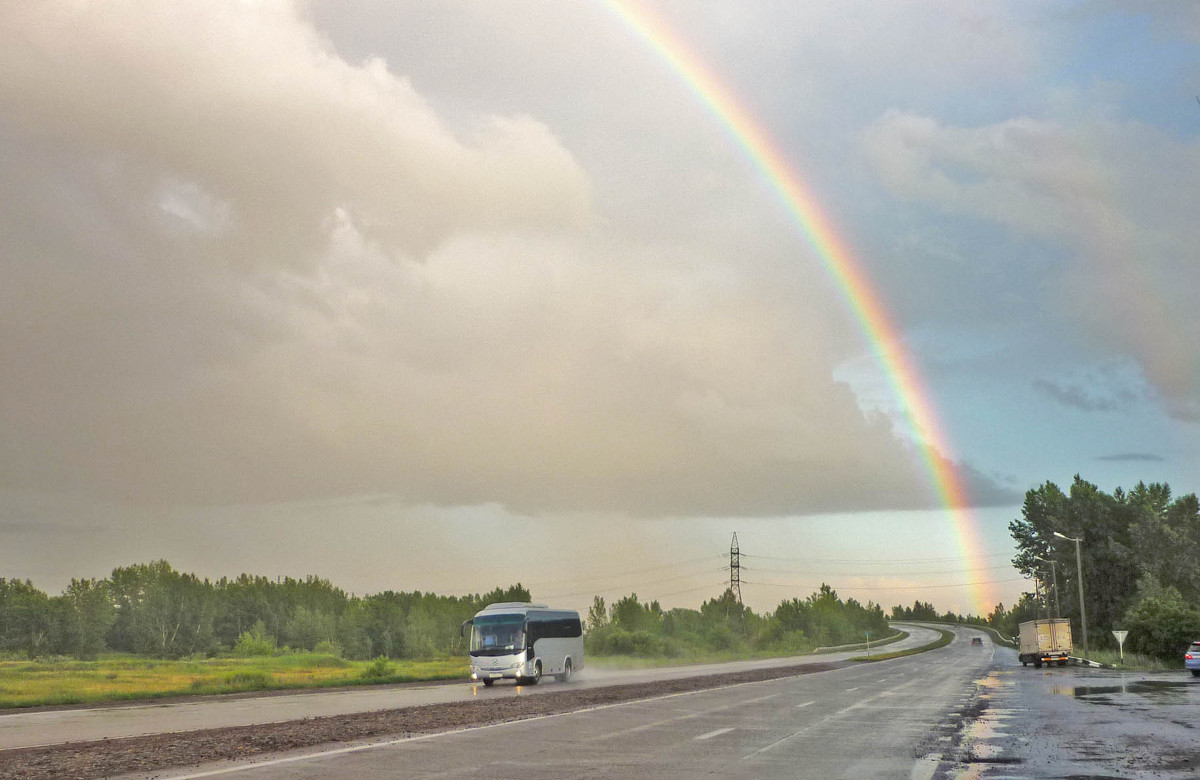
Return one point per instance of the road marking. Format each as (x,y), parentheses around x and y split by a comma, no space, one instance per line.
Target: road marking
(850,690)
(716,733)
(689,716)
(805,704)
(229,770)
(820,722)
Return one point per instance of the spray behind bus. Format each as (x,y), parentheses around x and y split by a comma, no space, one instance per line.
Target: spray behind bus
(522,642)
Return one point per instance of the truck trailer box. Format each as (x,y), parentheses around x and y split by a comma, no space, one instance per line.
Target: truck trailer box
(1045,642)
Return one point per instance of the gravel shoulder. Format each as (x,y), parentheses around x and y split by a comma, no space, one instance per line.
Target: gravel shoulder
(152,754)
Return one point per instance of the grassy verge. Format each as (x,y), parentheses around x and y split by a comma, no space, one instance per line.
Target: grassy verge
(723,656)
(945,639)
(713,657)
(123,678)
(1133,661)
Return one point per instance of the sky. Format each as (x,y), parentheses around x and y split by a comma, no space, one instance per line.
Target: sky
(446,296)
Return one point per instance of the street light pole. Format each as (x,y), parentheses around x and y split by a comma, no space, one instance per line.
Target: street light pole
(1079,576)
(1054,578)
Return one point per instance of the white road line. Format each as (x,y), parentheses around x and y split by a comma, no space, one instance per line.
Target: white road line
(820,722)
(423,737)
(849,690)
(805,704)
(689,716)
(716,733)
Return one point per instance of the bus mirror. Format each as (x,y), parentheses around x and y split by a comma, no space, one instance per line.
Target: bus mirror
(463,631)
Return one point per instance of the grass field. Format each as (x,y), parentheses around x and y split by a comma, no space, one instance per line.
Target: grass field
(119,677)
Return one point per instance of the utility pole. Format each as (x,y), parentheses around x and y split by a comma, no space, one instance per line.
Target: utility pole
(1054,575)
(1079,579)
(735,568)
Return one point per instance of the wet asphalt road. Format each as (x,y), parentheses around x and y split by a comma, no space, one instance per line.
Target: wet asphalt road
(1079,723)
(55,726)
(962,711)
(892,719)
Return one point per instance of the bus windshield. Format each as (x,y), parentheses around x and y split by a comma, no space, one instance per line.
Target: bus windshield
(498,635)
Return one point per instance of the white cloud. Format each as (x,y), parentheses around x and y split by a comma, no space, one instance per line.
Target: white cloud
(1119,196)
(247,107)
(239,268)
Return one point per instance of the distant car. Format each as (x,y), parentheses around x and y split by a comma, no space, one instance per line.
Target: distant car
(1191,659)
(978,640)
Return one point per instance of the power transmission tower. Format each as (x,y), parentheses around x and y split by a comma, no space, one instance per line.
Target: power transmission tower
(735,568)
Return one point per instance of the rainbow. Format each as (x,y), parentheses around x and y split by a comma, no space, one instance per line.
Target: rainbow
(865,304)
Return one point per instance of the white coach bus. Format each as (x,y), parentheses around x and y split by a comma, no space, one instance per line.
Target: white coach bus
(522,642)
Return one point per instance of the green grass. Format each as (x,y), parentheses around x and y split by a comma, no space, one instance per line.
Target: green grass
(721,656)
(1133,661)
(123,677)
(946,638)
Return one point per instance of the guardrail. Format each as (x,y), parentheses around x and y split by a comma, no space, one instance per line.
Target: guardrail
(887,640)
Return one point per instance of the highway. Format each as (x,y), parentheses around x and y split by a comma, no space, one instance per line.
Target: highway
(48,727)
(893,719)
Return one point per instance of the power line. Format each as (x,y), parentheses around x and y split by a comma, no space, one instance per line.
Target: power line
(879,561)
(628,588)
(735,568)
(883,587)
(626,573)
(877,573)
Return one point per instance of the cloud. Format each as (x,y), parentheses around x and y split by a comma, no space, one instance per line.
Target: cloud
(240,126)
(1076,397)
(1133,457)
(237,268)
(1116,195)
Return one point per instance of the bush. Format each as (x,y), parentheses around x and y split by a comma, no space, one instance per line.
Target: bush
(248,678)
(325,647)
(1162,624)
(254,642)
(380,669)
(612,640)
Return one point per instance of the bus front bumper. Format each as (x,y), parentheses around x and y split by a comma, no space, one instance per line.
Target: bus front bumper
(497,669)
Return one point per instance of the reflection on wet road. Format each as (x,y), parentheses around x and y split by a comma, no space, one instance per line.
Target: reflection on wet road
(1079,722)
(1180,691)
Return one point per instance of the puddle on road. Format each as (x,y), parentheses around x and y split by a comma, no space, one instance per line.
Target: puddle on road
(1153,691)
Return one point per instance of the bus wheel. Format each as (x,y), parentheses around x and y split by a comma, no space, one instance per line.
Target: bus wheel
(537,674)
(487,683)
(566,672)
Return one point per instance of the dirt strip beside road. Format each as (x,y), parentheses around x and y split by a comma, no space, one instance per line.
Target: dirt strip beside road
(106,758)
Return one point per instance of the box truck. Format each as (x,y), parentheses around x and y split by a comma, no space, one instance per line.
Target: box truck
(1045,642)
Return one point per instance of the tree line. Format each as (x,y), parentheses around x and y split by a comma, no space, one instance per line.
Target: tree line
(631,627)
(1140,553)
(151,609)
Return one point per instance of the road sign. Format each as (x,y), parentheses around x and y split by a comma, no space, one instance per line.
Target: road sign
(1120,635)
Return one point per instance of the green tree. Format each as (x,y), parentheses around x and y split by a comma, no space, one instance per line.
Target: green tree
(597,616)
(160,611)
(27,618)
(87,613)
(1161,623)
